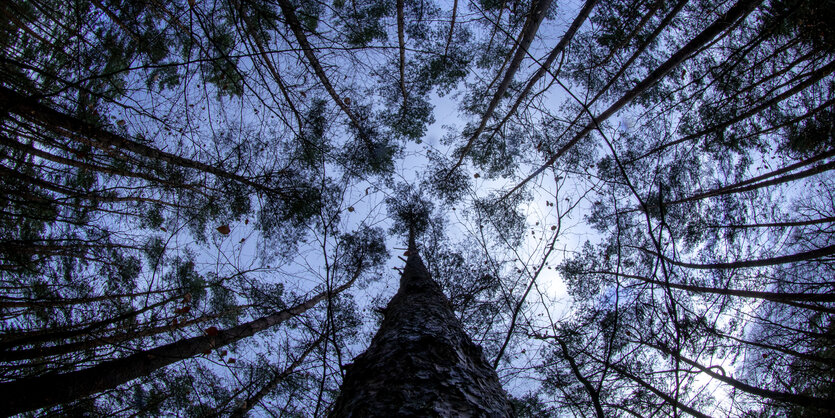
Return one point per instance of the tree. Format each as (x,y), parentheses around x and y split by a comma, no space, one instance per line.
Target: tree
(420,362)
(627,204)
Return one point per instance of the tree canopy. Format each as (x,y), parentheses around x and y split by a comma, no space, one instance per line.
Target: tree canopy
(628,203)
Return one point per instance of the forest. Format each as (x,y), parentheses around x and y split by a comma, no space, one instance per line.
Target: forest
(629,204)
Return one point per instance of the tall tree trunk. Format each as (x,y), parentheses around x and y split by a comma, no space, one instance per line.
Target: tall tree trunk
(545,67)
(421,362)
(772,296)
(41,336)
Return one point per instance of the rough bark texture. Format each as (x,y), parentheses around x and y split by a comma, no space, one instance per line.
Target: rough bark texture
(421,362)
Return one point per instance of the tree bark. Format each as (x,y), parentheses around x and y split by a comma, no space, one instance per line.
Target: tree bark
(421,362)
(814,77)
(756,183)
(402,46)
(42,336)
(12,302)
(638,52)
(771,296)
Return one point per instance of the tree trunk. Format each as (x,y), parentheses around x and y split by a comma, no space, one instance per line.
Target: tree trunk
(95,341)
(529,30)
(95,136)
(763,262)
(545,67)
(279,377)
(771,296)
(51,389)
(421,362)
(42,336)
(737,12)
(799,399)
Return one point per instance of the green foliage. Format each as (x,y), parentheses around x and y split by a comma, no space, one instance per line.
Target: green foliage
(147,401)
(498,155)
(163,78)
(233,201)
(346,318)
(152,217)
(313,143)
(308,13)
(222,70)
(121,272)
(814,376)
(813,135)
(502,217)
(179,387)
(810,21)
(517,10)
(575,272)
(223,301)
(471,284)
(364,23)
(449,187)
(447,69)
(267,296)
(409,209)
(363,249)
(370,152)
(530,406)
(411,121)
(30,211)
(154,249)
(184,276)
(297,205)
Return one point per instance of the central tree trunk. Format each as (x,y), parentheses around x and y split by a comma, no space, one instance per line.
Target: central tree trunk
(421,362)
